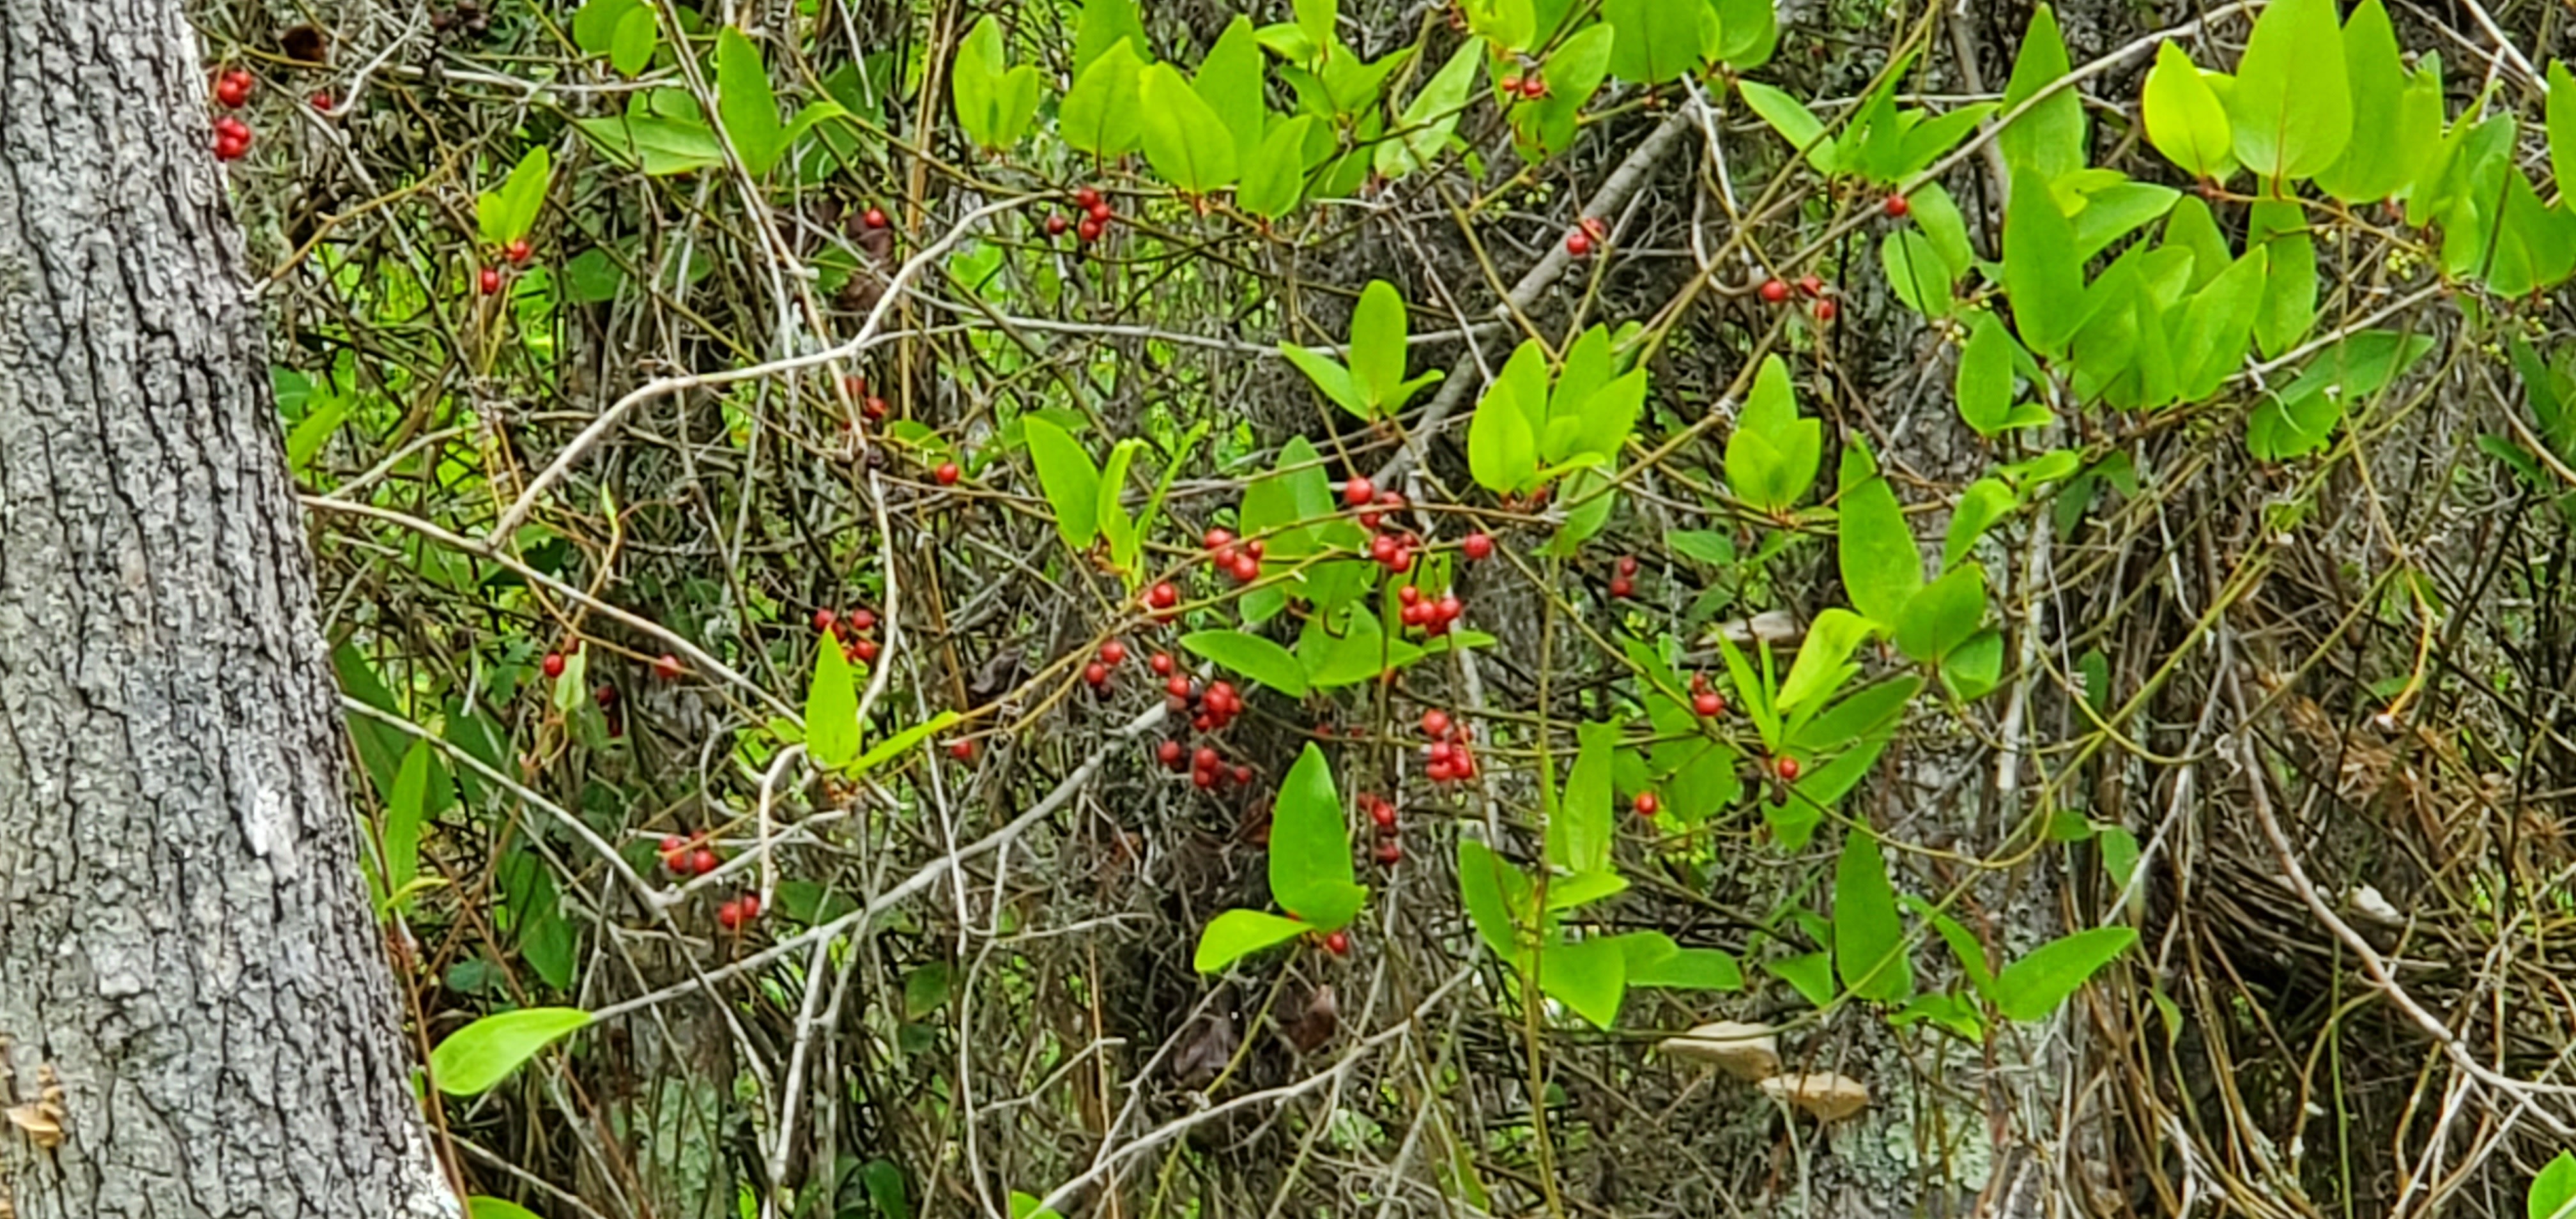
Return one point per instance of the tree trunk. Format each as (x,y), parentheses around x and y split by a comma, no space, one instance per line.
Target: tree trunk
(184,942)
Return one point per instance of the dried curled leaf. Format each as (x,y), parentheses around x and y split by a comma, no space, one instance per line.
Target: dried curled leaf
(1748,1052)
(1824,1095)
(40,1122)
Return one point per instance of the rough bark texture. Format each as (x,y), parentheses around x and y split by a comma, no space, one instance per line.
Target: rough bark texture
(183,937)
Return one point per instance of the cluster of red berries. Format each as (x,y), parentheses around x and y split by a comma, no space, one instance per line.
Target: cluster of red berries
(1381,812)
(1391,549)
(853,630)
(735,913)
(690,856)
(1096,215)
(1446,759)
(1776,292)
(1592,232)
(1432,616)
(1096,674)
(1706,703)
(1226,558)
(1208,769)
(232,138)
(232,88)
(1211,708)
(870,405)
(1528,88)
(516,253)
(1624,584)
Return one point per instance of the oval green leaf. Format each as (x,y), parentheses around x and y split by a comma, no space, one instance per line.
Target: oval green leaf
(483,1053)
(1252,656)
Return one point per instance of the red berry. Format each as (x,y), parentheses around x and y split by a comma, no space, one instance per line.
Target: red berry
(1532,87)
(750,906)
(1202,779)
(865,651)
(729,915)
(491,280)
(1056,225)
(874,407)
(1896,205)
(553,664)
(1112,652)
(1512,83)
(1163,596)
(1478,547)
(675,853)
(1086,198)
(1435,723)
(1088,230)
(704,861)
(1384,814)
(1463,766)
(1450,607)
(1409,595)
(606,694)
(863,620)
(1578,243)
(946,474)
(1204,759)
(518,250)
(322,103)
(1338,944)
(1622,587)
(1169,753)
(1788,768)
(1161,663)
(1178,687)
(823,619)
(875,218)
(1222,697)
(1811,285)
(1100,212)
(963,749)
(1647,804)
(1216,539)
(1357,492)
(1708,705)
(1096,673)
(1242,775)
(1774,291)
(668,668)
(1825,311)
(1390,853)
(1627,565)
(1382,547)
(1246,568)
(1253,548)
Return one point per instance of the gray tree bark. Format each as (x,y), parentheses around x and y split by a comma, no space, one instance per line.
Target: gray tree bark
(184,942)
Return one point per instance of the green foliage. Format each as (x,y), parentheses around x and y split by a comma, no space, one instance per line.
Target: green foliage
(1310,871)
(475,1058)
(995,101)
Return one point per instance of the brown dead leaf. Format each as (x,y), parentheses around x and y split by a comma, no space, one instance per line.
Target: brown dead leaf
(1824,1095)
(1746,1051)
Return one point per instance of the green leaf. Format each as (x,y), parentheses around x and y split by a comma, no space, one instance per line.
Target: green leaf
(1236,934)
(1071,482)
(902,742)
(1184,139)
(1659,40)
(1335,381)
(831,707)
(1823,659)
(1579,827)
(2041,272)
(485,1207)
(2218,324)
(1937,215)
(508,214)
(639,34)
(994,101)
(2553,1191)
(1747,32)
(1100,116)
(2113,211)
(1588,976)
(1501,454)
(1880,566)
(1589,500)
(1869,939)
(1583,889)
(2288,308)
(1315,19)
(745,103)
(1276,177)
(1916,272)
(420,793)
(1252,656)
(2184,119)
(1986,501)
(483,1053)
(1229,81)
(1310,847)
(1795,123)
(1607,416)
(1944,614)
(2291,108)
(1485,886)
(1104,24)
(1985,381)
(2049,140)
(1432,116)
(1772,456)
(2380,160)
(1686,968)
(2032,987)
(658,146)
(1810,974)
(1378,330)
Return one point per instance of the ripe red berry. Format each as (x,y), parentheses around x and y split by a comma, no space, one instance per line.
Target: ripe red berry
(1056,225)
(1450,607)
(823,619)
(946,474)
(729,914)
(1088,230)
(1338,944)
(962,749)
(1627,565)
(1774,291)
(1896,205)
(1113,652)
(1163,596)
(1161,662)
(518,250)
(863,620)
(1203,779)
(1811,285)
(1242,775)
(1532,87)
(1647,804)
(553,664)
(1578,243)
(1101,211)
(606,695)
(1178,687)
(1409,595)
(1383,814)
(1435,724)
(233,88)
(1086,198)
(750,906)
(1253,548)
(704,861)
(1390,853)
(668,668)
(1478,547)
(675,853)
(1204,759)
(1169,753)
(1358,492)
(491,280)
(1622,587)
(864,651)
(1825,311)
(1096,673)
(1788,768)
(1512,84)
(322,103)
(1246,568)
(232,138)
(874,408)
(1216,539)
(875,218)
(1708,705)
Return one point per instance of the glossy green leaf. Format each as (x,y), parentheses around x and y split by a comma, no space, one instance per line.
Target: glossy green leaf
(1071,482)
(1659,40)
(1572,74)
(2553,1189)
(2048,141)
(1310,847)
(421,792)
(1583,889)
(2184,119)
(1916,272)
(994,100)
(1485,882)
(2381,157)
(2291,108)
(485,1207)
(1100,116)
(2032,987)
(1588,976)
(1185,141)
(2288,308)
(1869,938)
(1973,669)
(1985,378)
(1748,31)
(1432,116)
(1501,453)
(2117,210)
(1236,934)
(658,146)
(2218,325)
(1103,24)
(1823,663)
(484,1053)
(1772,456)
(1275,179)
(1986,501)
(1229,80)
(1606,417)
(746,105)
(1933,138)
(1252,656)
(1329,376)
(902,742)
(1810,974)
(1944,614)
(1880,566)
(2041,273)
(1579,827)
(831,706)
(1378,331)
(1937,215)
(507,214)
(1795,123)
(1681,968)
